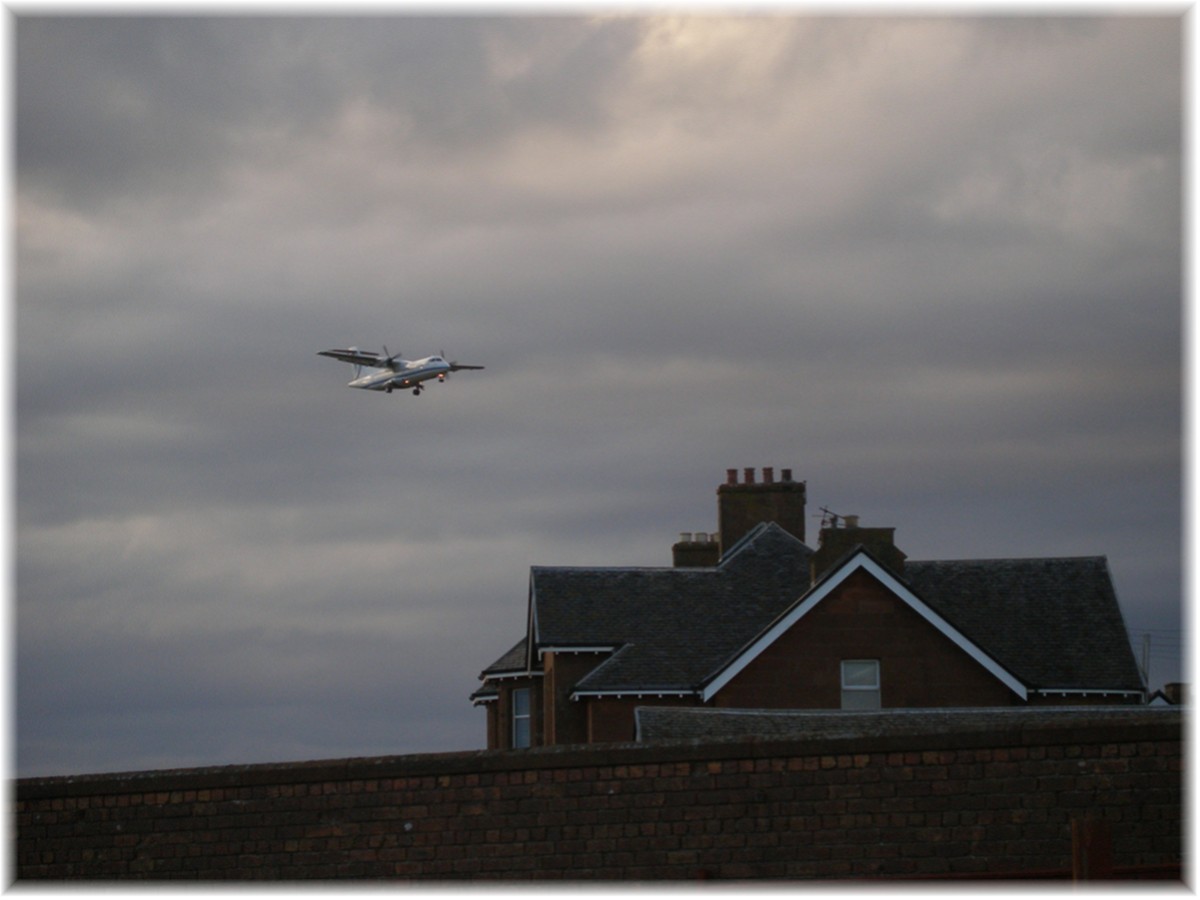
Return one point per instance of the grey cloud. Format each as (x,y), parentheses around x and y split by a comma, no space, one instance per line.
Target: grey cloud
(117,106)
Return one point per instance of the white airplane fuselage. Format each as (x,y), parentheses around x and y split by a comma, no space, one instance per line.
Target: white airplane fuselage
(385,372)
(408,373)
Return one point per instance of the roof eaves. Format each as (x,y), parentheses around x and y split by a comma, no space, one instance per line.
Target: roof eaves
(617,693)
(581,648)
(513,673)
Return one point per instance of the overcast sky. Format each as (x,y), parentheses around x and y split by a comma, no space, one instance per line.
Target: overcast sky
(933,265)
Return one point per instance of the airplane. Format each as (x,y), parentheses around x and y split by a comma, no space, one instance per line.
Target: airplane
(390,371)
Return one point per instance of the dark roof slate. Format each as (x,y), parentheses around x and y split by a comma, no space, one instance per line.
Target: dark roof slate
(672,626)
(1054,623)
(512,661)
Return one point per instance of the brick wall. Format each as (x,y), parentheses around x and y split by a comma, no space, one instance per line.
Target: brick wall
(861,619)
(962,804)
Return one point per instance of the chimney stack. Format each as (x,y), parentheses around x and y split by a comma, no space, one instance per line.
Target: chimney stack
(836,542)
(698,550)
(741,507)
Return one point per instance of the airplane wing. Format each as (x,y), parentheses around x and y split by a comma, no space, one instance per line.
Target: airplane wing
(358,357)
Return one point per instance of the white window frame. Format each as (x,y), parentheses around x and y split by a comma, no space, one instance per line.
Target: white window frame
(522,736)
(860,691)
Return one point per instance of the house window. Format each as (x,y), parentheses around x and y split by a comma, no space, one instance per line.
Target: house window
(860,684)
(520,718)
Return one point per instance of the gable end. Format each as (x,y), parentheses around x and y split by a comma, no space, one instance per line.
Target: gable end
(859,561)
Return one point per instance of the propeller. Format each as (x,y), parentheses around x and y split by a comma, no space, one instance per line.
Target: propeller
(388,359)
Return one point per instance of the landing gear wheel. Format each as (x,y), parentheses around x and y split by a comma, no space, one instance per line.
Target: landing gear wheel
(416,392)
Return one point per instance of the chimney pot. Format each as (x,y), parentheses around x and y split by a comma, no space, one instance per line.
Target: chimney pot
(685,537)
(768,475)
(851,521)
(749,475)
(787,474)
(701,537)
(731,476)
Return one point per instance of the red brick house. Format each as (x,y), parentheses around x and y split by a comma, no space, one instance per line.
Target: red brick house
(752,618)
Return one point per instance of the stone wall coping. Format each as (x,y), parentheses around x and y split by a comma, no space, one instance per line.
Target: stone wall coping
(1159,725)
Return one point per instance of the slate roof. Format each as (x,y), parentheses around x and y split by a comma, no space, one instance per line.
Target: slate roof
(666,644)
(670,627)
(1054,624)
(511,662)
(674,723)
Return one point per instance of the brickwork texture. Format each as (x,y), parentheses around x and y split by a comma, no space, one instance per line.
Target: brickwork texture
(882,807)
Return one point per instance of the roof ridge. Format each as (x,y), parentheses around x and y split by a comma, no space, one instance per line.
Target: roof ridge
(615,568)
(983,559)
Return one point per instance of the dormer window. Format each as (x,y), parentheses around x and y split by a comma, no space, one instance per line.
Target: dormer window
(860,684)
